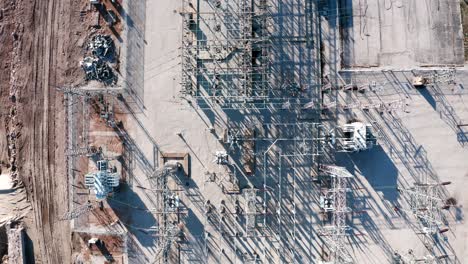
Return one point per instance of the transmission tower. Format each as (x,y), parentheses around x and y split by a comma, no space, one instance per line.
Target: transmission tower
(78,211)
(426,204)
(334,234)
(168,204)
(170,234)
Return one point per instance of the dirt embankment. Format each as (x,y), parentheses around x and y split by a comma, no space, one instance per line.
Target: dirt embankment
(464,14)
(40,48)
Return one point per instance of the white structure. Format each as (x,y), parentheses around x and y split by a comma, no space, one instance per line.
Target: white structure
(103,180)
(358,136)
(327,202)
(221,158)
(334,234)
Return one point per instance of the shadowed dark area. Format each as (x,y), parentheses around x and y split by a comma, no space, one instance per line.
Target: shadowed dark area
(427,95)
(376,166)
(133,212)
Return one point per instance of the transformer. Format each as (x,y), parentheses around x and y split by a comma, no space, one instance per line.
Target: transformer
(103,181)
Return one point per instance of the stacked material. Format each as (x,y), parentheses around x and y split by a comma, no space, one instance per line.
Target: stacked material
(97,69)
(102,46)
(96,66)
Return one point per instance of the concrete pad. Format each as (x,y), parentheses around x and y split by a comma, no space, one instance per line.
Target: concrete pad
(401,33)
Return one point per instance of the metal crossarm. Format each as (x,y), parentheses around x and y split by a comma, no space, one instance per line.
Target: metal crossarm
(334,234)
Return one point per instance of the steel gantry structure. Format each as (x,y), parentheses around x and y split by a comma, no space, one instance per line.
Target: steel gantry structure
(426,203)
(229,66)
(334,234)
(227,57)
(234,58)
(168,209)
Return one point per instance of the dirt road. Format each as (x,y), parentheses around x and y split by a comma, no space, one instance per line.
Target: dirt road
(39,55)
(39,107)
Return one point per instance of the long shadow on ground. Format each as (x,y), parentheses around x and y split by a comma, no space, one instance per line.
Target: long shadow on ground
(376,166)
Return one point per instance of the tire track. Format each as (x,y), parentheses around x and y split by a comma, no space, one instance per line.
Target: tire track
(48,20)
